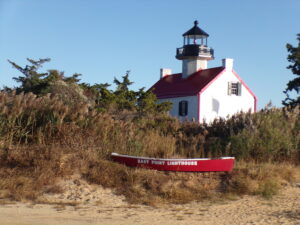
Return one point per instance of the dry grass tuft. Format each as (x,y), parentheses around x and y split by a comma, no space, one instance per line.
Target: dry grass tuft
(263,179)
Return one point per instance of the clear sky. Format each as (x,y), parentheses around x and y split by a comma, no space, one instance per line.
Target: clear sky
(103,39)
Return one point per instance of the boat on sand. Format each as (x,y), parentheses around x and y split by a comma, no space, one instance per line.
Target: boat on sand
(221,164)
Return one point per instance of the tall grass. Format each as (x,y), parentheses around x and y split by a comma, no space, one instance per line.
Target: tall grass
(267,136)
(43,139)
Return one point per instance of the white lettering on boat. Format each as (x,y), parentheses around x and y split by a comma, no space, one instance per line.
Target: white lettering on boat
(182,163)
(143,161)
(157,162)
(168,163)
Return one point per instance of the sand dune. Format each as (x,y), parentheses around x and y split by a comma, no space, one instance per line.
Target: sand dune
(100,206)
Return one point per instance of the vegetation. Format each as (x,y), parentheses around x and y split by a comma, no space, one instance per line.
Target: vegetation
(293,85)
(71,91)
(53,133)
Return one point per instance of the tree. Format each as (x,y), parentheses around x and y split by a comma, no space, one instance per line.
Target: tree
(125,98)
(147,103)
(122,86)
(102,97)
(293,85)
(40,83)
(32,81)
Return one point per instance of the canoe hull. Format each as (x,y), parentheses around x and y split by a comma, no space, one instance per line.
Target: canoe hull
(183,165)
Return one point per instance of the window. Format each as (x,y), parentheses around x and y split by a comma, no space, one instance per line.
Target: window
(183,108)
(234,88)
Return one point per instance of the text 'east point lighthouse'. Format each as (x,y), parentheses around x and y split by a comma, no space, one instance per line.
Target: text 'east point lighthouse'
(200,93)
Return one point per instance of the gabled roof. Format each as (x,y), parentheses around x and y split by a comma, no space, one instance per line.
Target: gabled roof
(176,86)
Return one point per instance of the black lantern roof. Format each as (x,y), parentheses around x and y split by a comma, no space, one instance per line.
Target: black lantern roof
(196,31)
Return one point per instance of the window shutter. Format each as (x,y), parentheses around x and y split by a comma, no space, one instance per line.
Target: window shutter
(183,108)
(229,88)
(239,89)
(180,109)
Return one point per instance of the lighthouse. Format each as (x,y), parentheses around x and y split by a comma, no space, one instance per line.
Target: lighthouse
(199,93)
(194,53)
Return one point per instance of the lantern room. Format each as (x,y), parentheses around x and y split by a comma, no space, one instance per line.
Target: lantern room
(195,36)
(195,45)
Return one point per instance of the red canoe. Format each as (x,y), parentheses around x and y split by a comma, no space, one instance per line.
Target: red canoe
(184,165)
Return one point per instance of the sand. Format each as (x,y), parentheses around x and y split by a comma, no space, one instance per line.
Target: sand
(96,205)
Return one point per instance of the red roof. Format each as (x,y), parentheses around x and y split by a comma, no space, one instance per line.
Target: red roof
(176,86)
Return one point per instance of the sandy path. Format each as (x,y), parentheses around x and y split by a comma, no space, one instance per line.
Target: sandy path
(112,209)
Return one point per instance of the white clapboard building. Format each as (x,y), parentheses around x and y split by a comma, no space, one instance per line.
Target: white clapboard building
(199,93)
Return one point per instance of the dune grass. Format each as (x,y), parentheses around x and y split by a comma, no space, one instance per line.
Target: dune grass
(43,140)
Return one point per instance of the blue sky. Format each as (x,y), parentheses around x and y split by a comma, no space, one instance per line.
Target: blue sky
(103,39)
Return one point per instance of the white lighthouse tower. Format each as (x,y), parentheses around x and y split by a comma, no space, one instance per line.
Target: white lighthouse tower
(195,53)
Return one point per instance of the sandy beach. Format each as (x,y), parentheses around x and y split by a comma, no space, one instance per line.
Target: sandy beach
(82,203)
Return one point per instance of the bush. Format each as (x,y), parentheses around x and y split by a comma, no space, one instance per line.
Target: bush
(272,136)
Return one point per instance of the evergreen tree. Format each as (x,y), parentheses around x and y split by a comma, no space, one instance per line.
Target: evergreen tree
(147,103)
(293,85)
(125,98)
(100,95)
(122,86)
(32,81)
(40,83)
